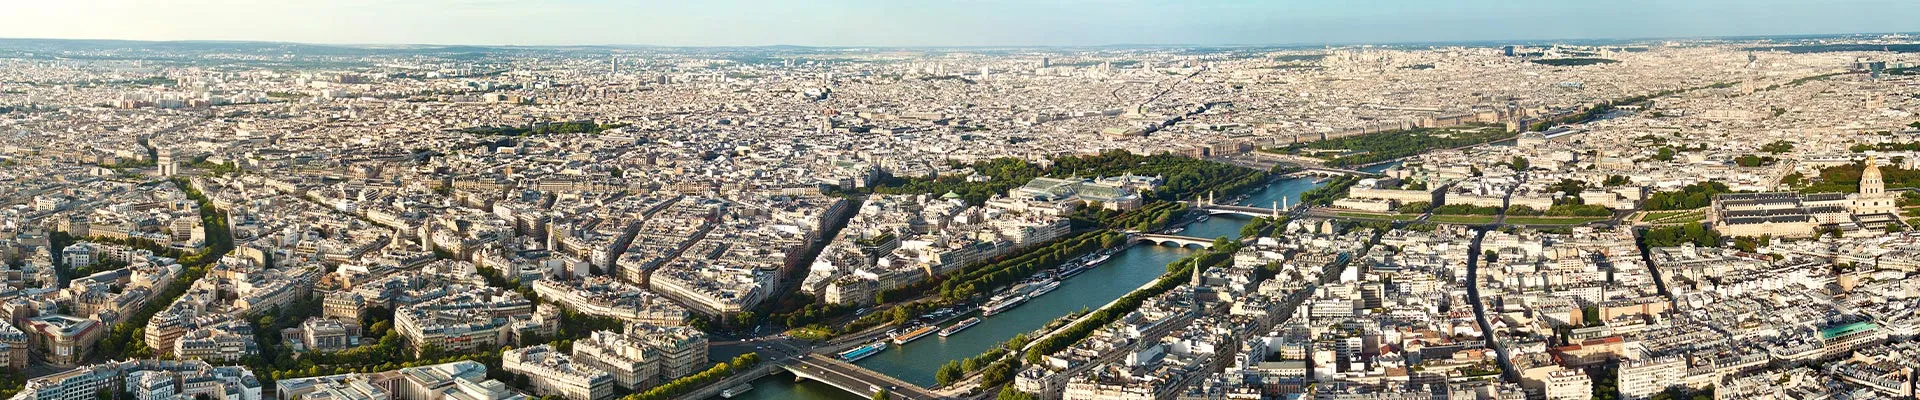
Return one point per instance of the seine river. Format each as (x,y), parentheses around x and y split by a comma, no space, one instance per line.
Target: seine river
(1128,270)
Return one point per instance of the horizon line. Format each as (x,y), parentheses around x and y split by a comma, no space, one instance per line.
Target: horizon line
(1241,45)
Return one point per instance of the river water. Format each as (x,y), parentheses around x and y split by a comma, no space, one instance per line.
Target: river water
(1128,270)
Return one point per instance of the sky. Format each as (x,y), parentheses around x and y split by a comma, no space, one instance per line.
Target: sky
(938,22)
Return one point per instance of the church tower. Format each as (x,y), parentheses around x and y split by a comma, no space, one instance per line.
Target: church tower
(1193,293)
(1870,183)
(1873,197)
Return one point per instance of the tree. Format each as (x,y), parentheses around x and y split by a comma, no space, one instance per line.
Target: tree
(1777,147)
(1793,179)
(948,373)
(1252,228)
(1009,393)
(1616,180)
(1750,160)
(881,395)
(1569,187)
(1664,154)
(1519,163)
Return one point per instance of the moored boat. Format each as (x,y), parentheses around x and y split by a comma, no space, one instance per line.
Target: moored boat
(1099,260)
(956,328)
(914,334)
(864,351)
(1044,289)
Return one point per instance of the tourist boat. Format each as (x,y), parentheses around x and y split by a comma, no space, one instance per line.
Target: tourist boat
(736,390)
(914,334)
(956,328)
(1176,231)
(999,305)
(1006,301)
(1073,268)
(1202,218)
(1045,288)
(1096,261)
(1320,180)
(858,353)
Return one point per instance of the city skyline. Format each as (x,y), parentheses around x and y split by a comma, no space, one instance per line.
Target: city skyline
(985,23)
(959,200)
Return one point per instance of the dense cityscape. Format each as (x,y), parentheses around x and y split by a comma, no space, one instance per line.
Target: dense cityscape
(1646,219)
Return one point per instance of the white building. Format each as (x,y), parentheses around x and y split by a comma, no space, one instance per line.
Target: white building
(553,373)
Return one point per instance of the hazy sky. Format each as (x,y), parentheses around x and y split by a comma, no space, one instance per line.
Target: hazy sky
(937,22)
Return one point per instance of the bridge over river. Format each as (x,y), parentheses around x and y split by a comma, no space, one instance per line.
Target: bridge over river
(852,378)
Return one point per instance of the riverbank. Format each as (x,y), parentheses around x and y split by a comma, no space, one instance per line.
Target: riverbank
(1131,268)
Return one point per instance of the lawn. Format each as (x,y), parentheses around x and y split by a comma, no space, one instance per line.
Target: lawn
(1384,217)
(1553,220)
(1462,219)
(1657,215)
(807,333)
(1681,219)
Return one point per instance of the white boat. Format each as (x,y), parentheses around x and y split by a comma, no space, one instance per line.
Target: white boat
(1007,300)
(1073,269)
(1002,304)
(956,328)
(858,353)
(1044,289)
(1096,261)
(915,334)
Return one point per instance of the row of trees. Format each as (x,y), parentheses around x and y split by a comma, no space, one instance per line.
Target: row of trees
(1689,197)
(543,129)
(1261,224)
(1565,209)
(1388,145)
(1671,236)
(124,339)
(1885,147)
(1465,209)
(812,313)
(1178,271)
(974,281)
(1599,110)
(1333,190)
(1184,177)
(956,370)
(1003,174)
(698,380)
(1148,218)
